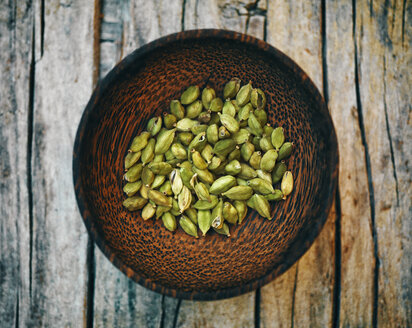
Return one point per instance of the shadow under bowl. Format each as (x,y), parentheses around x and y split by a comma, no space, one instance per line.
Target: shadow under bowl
(141,86)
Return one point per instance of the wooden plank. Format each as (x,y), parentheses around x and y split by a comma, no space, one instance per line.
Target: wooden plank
(383,57)
(295,29)
(357,256)
(118,301)
(63,82)
(16,28)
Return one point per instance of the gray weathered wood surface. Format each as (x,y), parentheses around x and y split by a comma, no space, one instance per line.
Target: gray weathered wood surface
(356,274)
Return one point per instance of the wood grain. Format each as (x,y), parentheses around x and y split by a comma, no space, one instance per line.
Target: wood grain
(383,58)
(63,82)
(295,29)
(16,30)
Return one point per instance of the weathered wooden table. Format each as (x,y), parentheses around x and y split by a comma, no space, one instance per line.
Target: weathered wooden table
(356,274)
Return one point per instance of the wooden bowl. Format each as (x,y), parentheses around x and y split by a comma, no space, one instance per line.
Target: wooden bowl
(142,85)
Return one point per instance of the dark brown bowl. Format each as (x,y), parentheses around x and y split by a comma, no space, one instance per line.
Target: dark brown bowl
(141,86)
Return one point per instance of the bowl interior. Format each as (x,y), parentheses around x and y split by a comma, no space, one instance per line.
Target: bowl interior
(258,250)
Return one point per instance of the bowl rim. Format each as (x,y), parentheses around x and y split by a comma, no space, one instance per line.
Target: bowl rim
(87,216)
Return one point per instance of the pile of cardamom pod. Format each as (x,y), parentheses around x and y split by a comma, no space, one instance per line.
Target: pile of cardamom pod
(207,161)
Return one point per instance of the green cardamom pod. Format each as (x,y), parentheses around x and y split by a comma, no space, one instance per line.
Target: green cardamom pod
(205,204)
(199,128)
(216,105)
(247,150)
(217,215)
(147,176)
(243,96)
(229,108)
(254,125)
(234,155)
(223,133)
(239,193)
(244,112)
(262,206)
(148,152)
(158,181)
(144,191)
(161,168)
(185,138)
(287,184)
(278,171)
(176,182)
(285,150)
(194,109)
(184,199)
(208,94)
(154,125)
(258,98)
(198,143)
(186,175)
(166,188)
(261,186)
(159,198)
(140,141)
(265,144)
(169,155)
(188,226)
(198,160)
(212,134)
(214,118)
(268,160)
(132,187)
(230,213)
(268,130)
(241,209)
(277,138)
(207,153)
(204,220)
(277,195)
(222,184)
(190,95)
(229,123)
(224,230)
(131,159)
(164,140)
(204,117)
(233,167)
(256,142)
(159,158)
(201,191)
(169,221)
(261,116)
(231,88)
(241,182)
(223,147)
(191,213)
(169,120)
(160,210)
(134,173)
(247,172)
(134,203)
(177,109)
(179,151)
(265,176)
(185,124)
(214,163)
(148,211)
(241,136)
(204,175)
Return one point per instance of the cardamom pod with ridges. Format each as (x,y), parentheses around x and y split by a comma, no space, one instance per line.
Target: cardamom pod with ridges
(160,210)
(256,142)
(190,95)
(158,181)
(285,150)
(161,168)
(247,172)
(174,161)
(261,116)
(198,143)
(208,94)
(233,167)
(191,213)
(188,226)
(185,138)
(234,155)
(185,124)
(186,175)
(239,193)
(216,105)
(176,182)
(261,186)
(277,138)
(134,203)
(147,176)
(278,171)
(251,203)
(194,109)
(265,144)
(254,125)
(144,191)
(229,122)
(217,215)
(169,221)
(169,155)
(184,199)
(223,147)
(132,187)
(154,125)
(214,163)
(214,118)
(243,96)
(159,158)
(265,176)
(131,159)
(140,141)
(207,153)
(212,134)
(134,173)
(164,140)
(241,182)
(287,184)
(247,150)
(169,120)
(223,133)
(268,130)
(198,128)
(244,112)
(262,206)
(148,211)
(224,230)
(159,198)
(178,151)
(201,191)
(277,195)
(268,160)
(204,175)
(258,98)
(222,184)
(229,109)
(166,188)
(241,136)
(148,152)
(204,117)
(231,88)
(230,213)
(205,204)
(177,109)
(241,209)
(198,160)
(204,220)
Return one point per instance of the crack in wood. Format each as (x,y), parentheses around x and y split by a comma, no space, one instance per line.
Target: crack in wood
(388,132)
(17,314)
(338,262)
(162,316)
(369,173)
(91,277)
(295,283)
(183,15)
(403,21)
(42,27)
(179,302)
(253,10)
(257,308)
